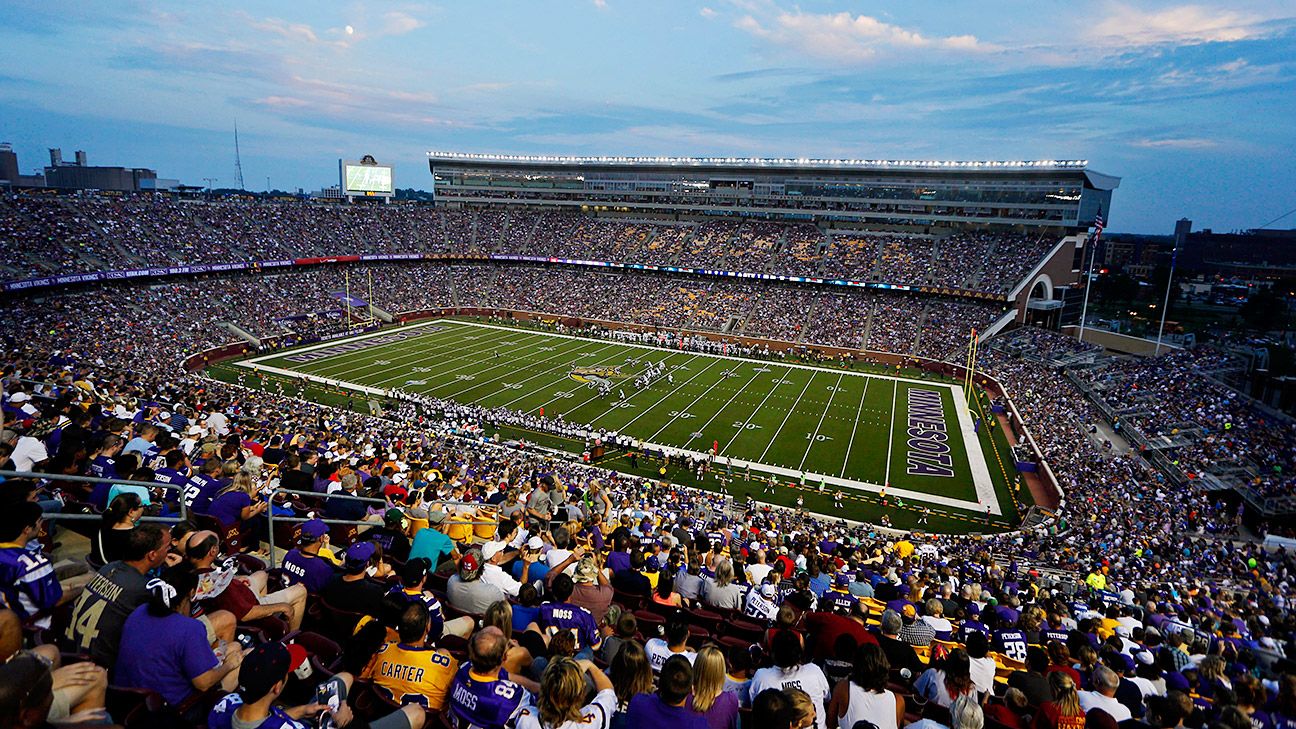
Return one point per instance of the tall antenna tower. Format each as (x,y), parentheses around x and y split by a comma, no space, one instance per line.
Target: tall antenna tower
(238,161)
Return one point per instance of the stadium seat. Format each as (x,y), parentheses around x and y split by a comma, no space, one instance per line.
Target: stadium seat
(136,708)
(744,630)
(627,600)
(705,619)
(651,624)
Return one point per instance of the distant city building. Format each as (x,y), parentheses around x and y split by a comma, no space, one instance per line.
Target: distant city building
(81,176)
(9,174)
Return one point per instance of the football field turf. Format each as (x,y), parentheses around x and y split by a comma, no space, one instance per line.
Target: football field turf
(848,429)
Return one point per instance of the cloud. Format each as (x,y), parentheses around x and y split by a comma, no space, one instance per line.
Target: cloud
(707,13)
(841,36)
(601,4)
(1176,143)
(1125,26)
(284,29)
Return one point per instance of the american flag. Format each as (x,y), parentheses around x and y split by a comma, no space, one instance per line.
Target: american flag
(1098,222)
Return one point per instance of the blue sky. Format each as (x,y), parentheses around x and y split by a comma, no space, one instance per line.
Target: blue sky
(1193,105)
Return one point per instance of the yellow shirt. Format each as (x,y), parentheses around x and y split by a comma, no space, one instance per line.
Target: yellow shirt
(412,675)
(904,549)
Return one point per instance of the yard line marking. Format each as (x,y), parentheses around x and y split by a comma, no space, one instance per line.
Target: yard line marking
(886,475)
(786,371)
(722,407)
(408,362)
(511,371)
(821,419)
(853,429)
(663,399)
(474,358)
(333,364)
(785,418)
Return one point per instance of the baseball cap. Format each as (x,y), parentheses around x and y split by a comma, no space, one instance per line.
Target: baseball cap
(19,396)
(312,531)
(842,580)
(266,665)
(586,570)
(768,591)
(535,543)
(359,554)
(436,516)
(490,549)
(393,516)
(470,565)
(909,612)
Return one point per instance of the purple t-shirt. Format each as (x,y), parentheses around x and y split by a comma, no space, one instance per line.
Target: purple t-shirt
(312,571)
(228,507)
(164,654)
(618,561)
(723,712)
(648,712)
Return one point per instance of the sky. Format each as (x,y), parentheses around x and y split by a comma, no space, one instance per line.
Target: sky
(1193,105)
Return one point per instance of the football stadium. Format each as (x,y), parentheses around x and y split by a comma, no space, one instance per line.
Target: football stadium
(547,440)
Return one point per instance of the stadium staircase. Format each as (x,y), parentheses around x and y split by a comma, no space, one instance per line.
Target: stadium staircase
(868,324)
(472,235)
(805,325)
(874,271)
(975,279)
(105,239)
(922,321)
(236,253)
(530,234)
(241,333)
(780,246)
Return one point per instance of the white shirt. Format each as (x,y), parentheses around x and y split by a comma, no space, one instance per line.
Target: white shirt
(555,557)
(493,574)
(659,652)
(1094,700)
(808,677)
(28,452)
(758,572)
(595,715)
(940,625)
(218,423)
(983,674)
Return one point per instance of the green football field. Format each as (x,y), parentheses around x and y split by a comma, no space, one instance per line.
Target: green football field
(899,445)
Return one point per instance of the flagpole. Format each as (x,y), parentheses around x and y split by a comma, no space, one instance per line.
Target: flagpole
(1165,306)
(1084,309)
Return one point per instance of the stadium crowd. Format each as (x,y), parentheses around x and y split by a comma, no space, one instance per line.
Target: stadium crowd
(47,234)
(483,585)
(466,581)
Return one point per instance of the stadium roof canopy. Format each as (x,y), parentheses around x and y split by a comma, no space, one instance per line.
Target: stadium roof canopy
(762,162)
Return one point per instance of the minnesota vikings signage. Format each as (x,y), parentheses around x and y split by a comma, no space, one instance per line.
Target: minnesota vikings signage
(595,375)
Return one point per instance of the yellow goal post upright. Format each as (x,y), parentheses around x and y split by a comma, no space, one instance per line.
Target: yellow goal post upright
(969,370)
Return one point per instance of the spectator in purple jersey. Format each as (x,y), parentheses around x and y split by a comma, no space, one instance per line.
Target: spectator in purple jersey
(482,694)
(27,580)
(103,463)
(303,565)
(560,614)
(204,486)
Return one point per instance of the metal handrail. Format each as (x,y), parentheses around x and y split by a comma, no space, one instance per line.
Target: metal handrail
(99,479)
(271,518)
